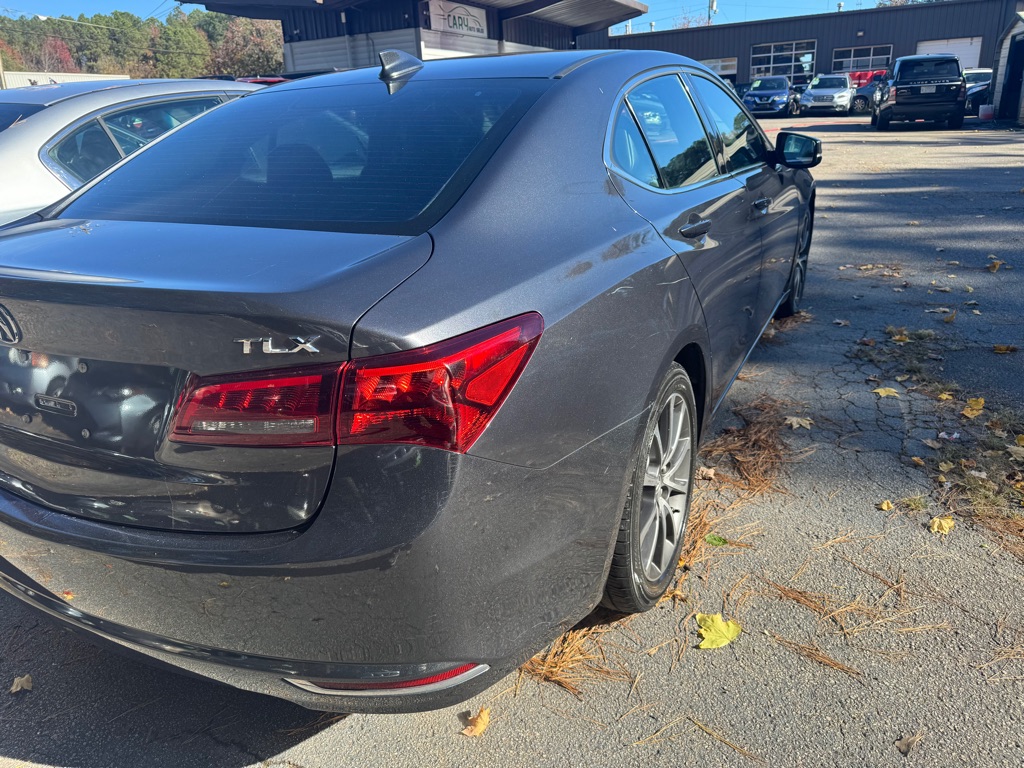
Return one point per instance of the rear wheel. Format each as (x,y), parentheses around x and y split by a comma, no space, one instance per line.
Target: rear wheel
(658,503)
(956,122)
(882,121)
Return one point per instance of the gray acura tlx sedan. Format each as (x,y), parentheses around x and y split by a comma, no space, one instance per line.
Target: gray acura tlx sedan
(362,389)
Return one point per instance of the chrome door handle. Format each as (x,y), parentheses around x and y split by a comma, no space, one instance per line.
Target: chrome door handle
(696,229)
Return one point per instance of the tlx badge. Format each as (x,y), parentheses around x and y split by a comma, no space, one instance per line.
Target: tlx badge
(266,345)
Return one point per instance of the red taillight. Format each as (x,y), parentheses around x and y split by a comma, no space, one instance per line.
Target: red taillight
(281,408)
(443,395)
(396,685)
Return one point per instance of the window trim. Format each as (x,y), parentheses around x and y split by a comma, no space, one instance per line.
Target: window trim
(620,99)
(852,58)
(793,53)
(73,182)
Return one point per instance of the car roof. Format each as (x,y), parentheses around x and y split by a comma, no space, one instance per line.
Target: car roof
(540,65)
(54,93)
(928,56)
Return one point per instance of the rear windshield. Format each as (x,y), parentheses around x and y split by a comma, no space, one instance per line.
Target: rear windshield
(922,70)
(829,82)
(770,84)
(349,158)
(12,113)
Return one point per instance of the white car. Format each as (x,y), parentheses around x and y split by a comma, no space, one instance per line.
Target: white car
(828,93)
(54,138)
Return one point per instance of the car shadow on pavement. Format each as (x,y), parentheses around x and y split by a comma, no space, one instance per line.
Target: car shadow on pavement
(92,709)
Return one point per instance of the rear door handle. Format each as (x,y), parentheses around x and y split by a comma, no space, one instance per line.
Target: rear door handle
(696,229)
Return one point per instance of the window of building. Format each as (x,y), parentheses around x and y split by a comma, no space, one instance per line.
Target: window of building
(861,59)
(794,60)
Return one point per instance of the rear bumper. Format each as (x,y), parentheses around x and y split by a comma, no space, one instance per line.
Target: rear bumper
(924,111)
(418,557)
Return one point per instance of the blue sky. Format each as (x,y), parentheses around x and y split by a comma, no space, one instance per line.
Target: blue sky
(664,13)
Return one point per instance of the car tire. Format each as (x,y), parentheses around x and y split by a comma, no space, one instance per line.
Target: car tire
(798,273)
(882,121)
(956,122)
(859,105)
(874,117)
(657,507)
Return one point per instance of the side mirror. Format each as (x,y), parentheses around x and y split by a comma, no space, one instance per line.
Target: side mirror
(794,150)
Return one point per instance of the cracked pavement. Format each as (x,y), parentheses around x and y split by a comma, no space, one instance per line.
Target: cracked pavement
(915,619)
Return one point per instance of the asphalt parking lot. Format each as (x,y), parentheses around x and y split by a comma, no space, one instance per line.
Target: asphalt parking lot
(864,634)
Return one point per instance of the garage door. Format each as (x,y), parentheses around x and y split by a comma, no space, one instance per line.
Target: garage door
(967,48)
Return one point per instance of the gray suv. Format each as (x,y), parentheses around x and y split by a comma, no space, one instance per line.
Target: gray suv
(828,93)
(924,87)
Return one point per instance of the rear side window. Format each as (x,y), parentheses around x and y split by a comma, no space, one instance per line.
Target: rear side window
(136,126)
(12,113)
(86,152)
(629,152)
(741,140)
(344,158)
(929,69)
(674,133)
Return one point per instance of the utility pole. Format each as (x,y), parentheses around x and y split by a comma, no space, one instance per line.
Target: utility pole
(712,8)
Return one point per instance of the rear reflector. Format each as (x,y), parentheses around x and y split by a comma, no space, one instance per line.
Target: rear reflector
(443,395)
(437,681)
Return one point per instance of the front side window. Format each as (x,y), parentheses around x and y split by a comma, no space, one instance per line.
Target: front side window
(741,140)
(348,158)
(673,130)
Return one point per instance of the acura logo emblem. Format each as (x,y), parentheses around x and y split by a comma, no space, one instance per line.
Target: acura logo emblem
(10,331)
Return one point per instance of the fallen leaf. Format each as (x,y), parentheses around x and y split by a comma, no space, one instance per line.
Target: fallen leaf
(945,466)
(938,311)
(477,723)
(67,594)
(866,342)
(971,413)
(902,378)
(945,396)
(950,317)
(945,288)
(932,443)
(901,338)
(840,322)
(716,632)
(976,402)
(715,540)
(917,461)
(913,223)
(994,266)
(1003,349)
(941,525)
(975,312)
(886,392)
(978,473)
(970,303)
(1016,452)
(968,289)
(907,743)
(1019,440)
(705,473)
(885,506)
(23,683)
(795,422)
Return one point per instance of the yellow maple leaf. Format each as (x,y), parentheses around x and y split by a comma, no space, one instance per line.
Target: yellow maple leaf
(1003,349)
(796,422)
(976,402)
(1019,440)
(886,392)
(23,683)
(945,466)
(885,506)
(477,723)
(946,396)
(901,338)
(994,266)
(716,632)
(971,413)
(941,525)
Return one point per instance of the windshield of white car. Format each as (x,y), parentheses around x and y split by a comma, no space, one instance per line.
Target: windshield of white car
(978,77)
(828,82)
(12,113)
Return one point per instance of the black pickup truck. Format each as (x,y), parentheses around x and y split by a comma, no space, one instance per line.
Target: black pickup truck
(925,87)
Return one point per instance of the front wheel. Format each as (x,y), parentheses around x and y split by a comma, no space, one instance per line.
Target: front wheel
(798,274)
(882,121)
(859,105)
(874,117)
(657,505)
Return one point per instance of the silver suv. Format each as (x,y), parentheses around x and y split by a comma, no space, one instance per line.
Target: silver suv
(828,93)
